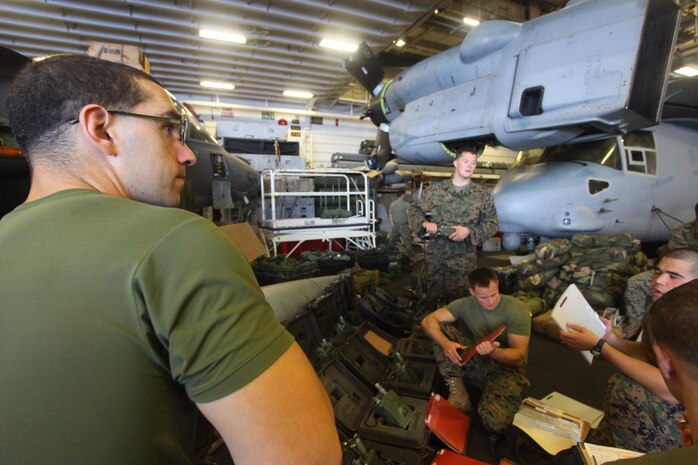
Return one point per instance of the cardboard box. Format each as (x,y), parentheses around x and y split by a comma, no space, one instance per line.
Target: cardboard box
(493,244)
(246,239)
(127,54)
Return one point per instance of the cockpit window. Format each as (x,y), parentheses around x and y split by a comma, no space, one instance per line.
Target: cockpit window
(604,152)
(639,139)
(640,153)
(597,185)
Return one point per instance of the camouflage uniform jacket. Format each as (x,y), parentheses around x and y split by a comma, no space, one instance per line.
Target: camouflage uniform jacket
(472,207)
(685,235)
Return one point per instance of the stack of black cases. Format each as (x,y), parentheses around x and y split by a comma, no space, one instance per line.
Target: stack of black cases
(367,356)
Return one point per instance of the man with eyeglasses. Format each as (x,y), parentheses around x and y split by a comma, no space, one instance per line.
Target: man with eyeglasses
(640,411)
(121,320)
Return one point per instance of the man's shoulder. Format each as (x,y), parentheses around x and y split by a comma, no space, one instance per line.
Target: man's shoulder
(463,303)
(512,302)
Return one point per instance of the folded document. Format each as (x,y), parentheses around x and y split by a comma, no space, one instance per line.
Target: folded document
(554,430)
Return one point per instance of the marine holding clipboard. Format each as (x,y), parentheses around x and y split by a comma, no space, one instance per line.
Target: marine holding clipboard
(498,328)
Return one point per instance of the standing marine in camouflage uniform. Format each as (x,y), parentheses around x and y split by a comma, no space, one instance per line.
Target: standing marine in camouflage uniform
(638,291)
(458,215)
(398,219)
(498,367)
(640,412)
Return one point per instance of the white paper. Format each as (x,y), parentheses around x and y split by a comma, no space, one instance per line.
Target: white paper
(573,308)
(603,454)
(558,401)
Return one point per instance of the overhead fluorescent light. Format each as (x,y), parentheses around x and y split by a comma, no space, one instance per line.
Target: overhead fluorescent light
(224,36)
(217,85)
(471,21)
(400,43)
(687,71)
(298,94)
(339,45)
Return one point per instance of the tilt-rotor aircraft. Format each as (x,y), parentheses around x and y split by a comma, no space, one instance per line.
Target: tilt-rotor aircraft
(644,182)
(592,69)
(581,82)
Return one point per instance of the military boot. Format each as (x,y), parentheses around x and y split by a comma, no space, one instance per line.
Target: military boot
(458,396)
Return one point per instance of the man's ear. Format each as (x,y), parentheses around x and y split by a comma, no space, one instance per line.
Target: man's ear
(96,125)
(664,362)
(472,292)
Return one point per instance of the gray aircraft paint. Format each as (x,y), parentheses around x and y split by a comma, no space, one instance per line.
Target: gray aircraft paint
(553,199)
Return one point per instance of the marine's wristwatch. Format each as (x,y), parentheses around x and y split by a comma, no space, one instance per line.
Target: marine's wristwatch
(596,350)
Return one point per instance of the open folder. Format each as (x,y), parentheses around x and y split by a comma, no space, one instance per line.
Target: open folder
(554,430)
(572,307)
(446,457)
(447,422)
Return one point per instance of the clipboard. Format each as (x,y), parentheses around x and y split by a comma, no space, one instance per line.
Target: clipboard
(573,308)
(447,422)
(470,353)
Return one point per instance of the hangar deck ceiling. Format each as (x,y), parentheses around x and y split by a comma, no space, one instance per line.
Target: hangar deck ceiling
(283,36)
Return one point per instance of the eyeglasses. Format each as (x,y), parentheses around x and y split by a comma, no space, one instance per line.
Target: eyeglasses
(182,122)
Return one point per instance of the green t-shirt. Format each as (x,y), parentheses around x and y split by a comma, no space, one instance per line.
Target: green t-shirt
(479,322)
(116,315)
(683,456)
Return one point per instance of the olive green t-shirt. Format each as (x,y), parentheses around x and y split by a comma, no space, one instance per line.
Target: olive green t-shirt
(116,317)
(480,322)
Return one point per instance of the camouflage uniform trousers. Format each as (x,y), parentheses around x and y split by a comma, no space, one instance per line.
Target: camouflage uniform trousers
(639,420)
(445,271)
(401,232)
(502,387)
(637,297)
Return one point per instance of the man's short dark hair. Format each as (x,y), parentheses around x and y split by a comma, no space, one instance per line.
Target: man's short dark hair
(673,322)
(400,192)
(481,277)
(687,255)
(49,93)
(472,147)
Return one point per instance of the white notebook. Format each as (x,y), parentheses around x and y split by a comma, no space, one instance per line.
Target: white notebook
(573,308)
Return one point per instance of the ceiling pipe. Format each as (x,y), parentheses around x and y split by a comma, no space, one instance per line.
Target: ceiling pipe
(294,111)
(218,18)
(236,67)
(282,65)
(243,79)
(312,54)
(394,19)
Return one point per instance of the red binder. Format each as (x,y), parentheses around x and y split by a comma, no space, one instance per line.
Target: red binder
(446,457)
(490,337)
(447,422)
